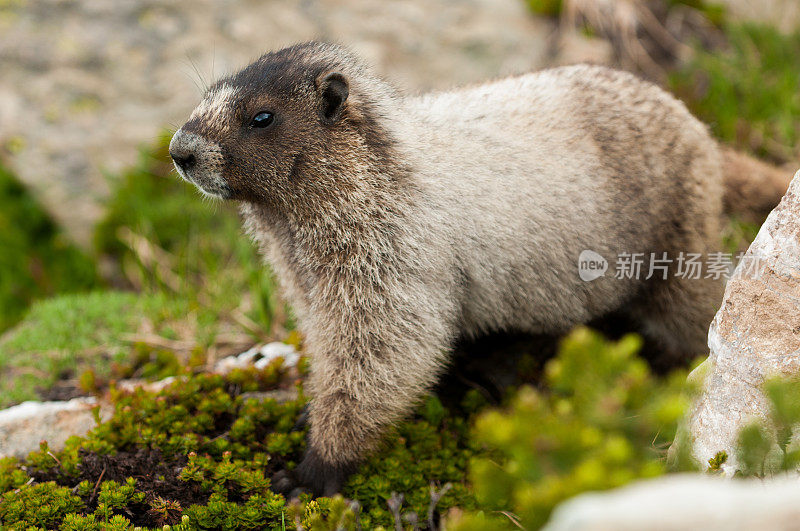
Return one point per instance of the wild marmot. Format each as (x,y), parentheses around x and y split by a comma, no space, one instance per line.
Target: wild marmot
(396,224)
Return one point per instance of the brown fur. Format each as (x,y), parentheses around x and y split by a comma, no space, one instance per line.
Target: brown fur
(752,187)
(397,224)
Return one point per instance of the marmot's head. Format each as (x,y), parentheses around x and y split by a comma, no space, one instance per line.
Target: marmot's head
(294,125)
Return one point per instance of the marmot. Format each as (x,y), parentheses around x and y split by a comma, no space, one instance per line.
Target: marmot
(397,224)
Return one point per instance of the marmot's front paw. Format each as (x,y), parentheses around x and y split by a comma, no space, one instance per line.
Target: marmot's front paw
(285,482)
(314,474)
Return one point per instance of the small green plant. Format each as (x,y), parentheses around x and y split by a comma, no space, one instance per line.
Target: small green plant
(716,462)
(202,451)
(766,448)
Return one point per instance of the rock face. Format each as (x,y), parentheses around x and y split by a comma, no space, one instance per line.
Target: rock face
(755,334)
(22,427)
(681,502)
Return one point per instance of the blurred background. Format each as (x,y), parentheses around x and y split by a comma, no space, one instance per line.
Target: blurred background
(132,272)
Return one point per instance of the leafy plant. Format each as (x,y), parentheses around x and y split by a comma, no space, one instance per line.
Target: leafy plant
(202,451)
(769,447)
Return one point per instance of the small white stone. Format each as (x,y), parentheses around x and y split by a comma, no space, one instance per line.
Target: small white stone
(274,350)
(268,353)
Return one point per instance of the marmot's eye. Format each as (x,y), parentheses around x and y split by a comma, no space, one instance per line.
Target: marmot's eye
(262,119)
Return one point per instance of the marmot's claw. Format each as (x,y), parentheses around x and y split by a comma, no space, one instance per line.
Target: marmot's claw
(312,476)
(322,478)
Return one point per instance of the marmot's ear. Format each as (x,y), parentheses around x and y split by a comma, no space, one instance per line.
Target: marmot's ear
(333,90)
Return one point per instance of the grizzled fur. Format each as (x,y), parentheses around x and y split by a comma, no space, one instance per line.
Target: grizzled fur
(397,224)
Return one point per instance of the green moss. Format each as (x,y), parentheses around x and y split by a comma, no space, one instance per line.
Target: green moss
(211,435)
(42,505)
(224,434)
(200,453)
(434,448)
(37,259)
(65,335)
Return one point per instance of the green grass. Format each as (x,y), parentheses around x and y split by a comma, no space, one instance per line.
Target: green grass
(188,271)
(37,259)
(748,93)
(66,335)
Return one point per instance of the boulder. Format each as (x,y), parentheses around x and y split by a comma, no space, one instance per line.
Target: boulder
(755,334)
(684,501)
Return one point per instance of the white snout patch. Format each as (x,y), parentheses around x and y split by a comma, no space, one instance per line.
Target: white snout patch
(214,106)
(206,172)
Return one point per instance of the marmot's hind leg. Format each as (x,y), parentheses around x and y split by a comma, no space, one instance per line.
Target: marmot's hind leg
(674,317)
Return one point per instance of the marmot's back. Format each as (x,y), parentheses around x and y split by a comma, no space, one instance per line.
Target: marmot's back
(549,164)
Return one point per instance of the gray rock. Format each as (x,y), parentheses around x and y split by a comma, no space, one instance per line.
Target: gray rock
(755,334)
(24,426)
(685,501)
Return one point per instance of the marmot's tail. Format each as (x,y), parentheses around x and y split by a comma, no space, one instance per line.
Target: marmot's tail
(752,188)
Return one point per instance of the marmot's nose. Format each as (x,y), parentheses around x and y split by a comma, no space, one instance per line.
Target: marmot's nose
(184,160)
(182,151)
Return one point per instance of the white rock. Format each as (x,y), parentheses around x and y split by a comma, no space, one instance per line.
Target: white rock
(130,385)
(755,334)
(263,356)
(685,501)
(24,426)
